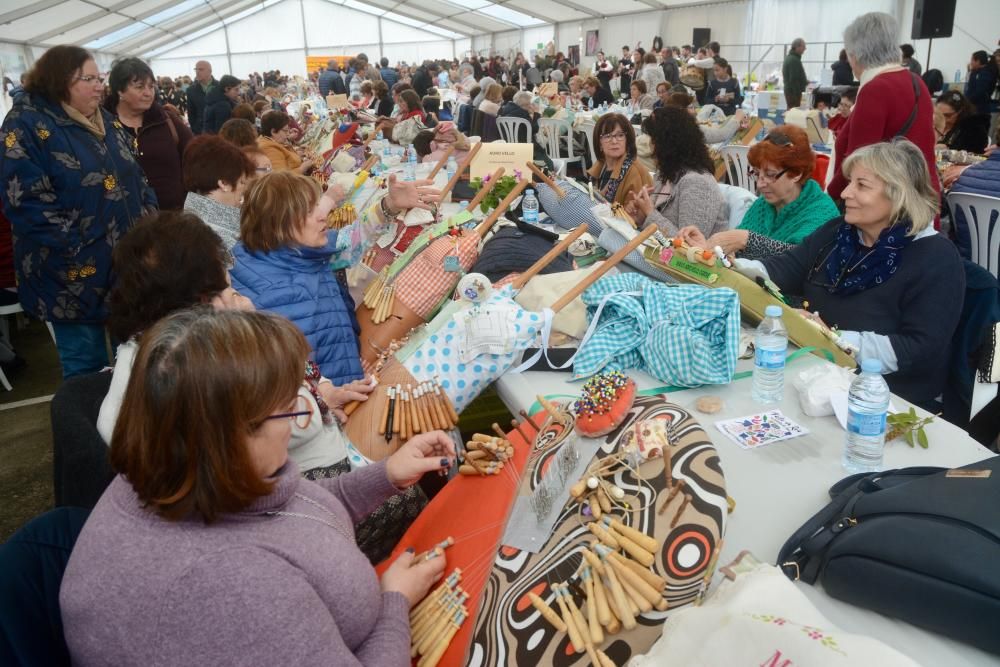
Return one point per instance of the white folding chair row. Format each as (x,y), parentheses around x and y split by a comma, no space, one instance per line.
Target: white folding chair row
(513,128)
(981,218)
(737,162)
(558,134)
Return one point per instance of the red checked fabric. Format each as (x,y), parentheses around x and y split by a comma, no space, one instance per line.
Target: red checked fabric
(424,284)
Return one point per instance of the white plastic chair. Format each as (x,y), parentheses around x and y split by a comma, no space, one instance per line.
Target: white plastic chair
(588,132)
(738,165)
(513,128)
(981,217)
(558,133)
(13,309)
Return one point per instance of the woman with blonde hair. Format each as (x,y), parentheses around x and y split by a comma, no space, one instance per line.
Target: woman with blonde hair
(492,99)
(880,273)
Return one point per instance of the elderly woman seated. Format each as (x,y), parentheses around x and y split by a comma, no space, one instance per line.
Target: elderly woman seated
(640,100)
(617,173)
(557,77)
(791,205)
(596,93)
(273,141)
(208,548)
(880,274)
(492,99)
(521,107)
(685,192)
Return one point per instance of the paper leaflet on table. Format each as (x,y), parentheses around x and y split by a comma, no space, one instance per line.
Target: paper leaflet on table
(760,429)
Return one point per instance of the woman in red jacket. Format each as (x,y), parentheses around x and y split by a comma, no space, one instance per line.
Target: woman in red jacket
(892,102)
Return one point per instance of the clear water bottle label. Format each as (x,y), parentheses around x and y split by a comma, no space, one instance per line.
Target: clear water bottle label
(864,424)
(771,360)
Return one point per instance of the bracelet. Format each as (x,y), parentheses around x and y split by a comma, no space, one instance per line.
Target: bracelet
(389,215)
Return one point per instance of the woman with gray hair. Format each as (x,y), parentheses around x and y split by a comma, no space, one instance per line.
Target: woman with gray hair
(892,101)
(880,273)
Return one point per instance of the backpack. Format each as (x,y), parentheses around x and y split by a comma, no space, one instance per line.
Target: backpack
(920,544)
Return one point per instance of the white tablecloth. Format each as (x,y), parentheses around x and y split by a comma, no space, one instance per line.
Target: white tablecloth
(778,487)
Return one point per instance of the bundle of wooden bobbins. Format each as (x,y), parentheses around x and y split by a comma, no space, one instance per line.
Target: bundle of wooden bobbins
(616,589)
(486,454)
(437,619)
(380,296)
(341,216)
(595,492)
(410,410)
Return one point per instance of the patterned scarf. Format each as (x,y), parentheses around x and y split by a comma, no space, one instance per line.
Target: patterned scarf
(312,383)
(851,267)
(609,185)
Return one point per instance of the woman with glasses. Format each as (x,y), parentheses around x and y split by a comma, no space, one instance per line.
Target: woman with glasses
(617,174)
(209,548)
(880,274)
(71,189)
(685,192)
(791,205)
(216,173)
(145,294)
(957,125)
(158,134)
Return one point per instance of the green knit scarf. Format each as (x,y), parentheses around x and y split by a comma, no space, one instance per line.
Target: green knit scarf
(810,210)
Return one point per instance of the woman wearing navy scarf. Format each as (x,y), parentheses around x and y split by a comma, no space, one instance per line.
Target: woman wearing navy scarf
(880,274)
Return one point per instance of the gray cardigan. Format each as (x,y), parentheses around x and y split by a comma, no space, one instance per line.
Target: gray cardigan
(695,199)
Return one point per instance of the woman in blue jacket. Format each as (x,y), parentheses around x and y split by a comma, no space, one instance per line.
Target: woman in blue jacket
(71,188)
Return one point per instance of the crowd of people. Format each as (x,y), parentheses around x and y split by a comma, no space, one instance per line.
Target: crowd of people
(178,215)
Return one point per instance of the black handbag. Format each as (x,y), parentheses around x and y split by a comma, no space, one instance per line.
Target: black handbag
(919,544)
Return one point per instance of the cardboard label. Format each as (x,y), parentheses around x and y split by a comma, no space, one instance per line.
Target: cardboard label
(975,474)
(337,101)
(699,271)
(494,155)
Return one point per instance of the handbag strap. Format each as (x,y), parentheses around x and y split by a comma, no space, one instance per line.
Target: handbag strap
(913,112)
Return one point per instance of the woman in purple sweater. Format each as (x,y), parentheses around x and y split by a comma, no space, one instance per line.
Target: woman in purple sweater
(208,548)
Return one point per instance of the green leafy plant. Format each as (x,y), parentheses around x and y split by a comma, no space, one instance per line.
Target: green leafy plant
(498,191)
(909,426)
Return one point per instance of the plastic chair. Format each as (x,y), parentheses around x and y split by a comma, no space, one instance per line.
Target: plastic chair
(490,130)
(80,467)
(558,132)
(513,128)
(738,166)
(12,309)
(820,171)
(981,215)
(588,131)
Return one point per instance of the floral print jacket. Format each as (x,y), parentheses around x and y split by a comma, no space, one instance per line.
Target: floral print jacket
(70,197)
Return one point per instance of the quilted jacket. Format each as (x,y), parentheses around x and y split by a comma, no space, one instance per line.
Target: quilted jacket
(69,197)
(297,282)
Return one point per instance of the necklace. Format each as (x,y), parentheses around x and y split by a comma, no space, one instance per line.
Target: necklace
(336,526)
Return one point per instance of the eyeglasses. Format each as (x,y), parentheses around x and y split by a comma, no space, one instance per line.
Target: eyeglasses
(91,78)
(779,139)
(302,414)
(767,177)
(617,136)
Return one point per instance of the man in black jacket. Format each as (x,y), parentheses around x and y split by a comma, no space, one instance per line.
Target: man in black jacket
(423,78)
(204,82)
(220,103)
(330,82)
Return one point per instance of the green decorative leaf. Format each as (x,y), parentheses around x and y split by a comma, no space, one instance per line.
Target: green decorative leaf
(922,437)
(913,412)
(909,438)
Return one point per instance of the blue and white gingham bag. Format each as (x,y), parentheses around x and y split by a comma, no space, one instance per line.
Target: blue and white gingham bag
(684,335)
(572,210)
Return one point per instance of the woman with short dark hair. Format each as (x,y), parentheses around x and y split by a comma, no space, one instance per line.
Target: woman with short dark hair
(209,548)
(239,132)
(216,173)
(159,136)
(617,173)
(381,92)
(842,74)
(960,128)
(685,191)
(273,140)
(220,102)
(71,189)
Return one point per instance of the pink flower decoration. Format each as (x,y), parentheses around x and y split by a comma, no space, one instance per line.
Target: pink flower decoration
(486,178)
(666,254)
(517,174)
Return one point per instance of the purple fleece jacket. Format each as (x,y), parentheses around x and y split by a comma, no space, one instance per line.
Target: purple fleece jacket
(250,589)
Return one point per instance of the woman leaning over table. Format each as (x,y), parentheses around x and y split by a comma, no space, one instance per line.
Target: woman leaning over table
(961,128)
(618,174)
(880,273)
(209,548)
(71,189)
(685,191)
(791,205)
(273,140)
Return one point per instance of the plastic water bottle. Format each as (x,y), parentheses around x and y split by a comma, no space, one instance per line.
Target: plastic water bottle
(386,151)
(450,168)
(410,174)
(867,406)
(770,343)
(529,207)
(379,136)
(958,75)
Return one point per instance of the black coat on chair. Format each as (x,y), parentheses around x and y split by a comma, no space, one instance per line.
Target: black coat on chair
(80,467)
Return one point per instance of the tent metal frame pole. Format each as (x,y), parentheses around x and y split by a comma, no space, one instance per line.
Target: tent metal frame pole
(381,47)
(229,54)
(305,39)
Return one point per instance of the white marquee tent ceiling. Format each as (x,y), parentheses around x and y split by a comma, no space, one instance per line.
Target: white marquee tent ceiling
(150,27)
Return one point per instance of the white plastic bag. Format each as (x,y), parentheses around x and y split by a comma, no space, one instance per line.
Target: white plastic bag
(817,384)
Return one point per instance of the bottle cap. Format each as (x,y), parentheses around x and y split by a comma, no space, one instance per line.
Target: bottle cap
(871,366)
(529,191)
(773,311)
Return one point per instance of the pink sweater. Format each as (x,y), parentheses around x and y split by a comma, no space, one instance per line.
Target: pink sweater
(250,589)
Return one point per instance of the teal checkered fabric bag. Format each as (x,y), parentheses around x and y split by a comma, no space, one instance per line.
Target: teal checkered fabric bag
(683,335)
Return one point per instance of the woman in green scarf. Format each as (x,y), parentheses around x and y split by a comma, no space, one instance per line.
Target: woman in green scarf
(791,204)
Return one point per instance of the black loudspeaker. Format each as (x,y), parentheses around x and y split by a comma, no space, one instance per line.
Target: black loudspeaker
(932,19)
(700,37)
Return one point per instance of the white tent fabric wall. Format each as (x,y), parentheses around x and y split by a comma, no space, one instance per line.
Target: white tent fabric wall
(975,29)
